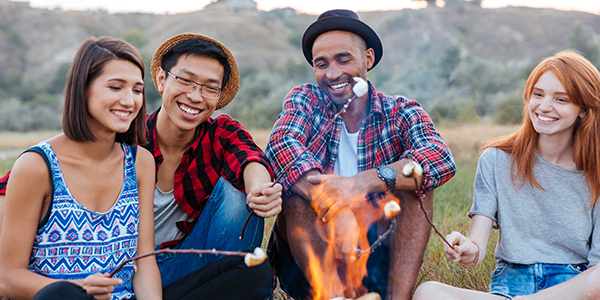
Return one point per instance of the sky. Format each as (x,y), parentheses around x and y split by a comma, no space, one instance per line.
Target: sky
(307,6)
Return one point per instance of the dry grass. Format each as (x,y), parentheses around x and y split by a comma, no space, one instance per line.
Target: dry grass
(465,140)
(23,140)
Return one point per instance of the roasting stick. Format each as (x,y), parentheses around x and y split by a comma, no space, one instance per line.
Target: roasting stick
(414,170)
(251,259)
(360,89)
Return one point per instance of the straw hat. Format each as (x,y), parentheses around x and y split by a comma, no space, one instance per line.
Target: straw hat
(343,20)
(232,85)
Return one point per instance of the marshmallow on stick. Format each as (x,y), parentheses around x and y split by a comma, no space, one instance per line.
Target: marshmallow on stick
(391,209)
(256,258)
(360,88)
(412,169)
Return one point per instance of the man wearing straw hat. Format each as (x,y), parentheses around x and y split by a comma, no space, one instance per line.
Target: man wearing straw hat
(202,163)
(335,188)
(203,167)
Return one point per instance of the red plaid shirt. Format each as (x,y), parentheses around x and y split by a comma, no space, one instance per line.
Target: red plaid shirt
(222,149)
(3,182)
(395,128)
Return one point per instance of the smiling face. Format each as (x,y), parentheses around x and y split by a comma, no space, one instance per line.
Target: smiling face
(337,57)
(186,111)
(115,97)
(550,109)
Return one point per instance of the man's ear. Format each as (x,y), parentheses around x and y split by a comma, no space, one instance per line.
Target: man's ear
(160,80)
(370,57)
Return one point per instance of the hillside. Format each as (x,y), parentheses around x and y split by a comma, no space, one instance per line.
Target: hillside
(37,45)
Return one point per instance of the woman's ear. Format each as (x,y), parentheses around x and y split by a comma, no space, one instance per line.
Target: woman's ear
(583,113)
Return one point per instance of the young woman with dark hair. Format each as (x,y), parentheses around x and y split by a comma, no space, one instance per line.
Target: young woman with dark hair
(80,203)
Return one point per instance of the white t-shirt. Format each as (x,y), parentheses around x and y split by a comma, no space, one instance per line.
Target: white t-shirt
(346,163)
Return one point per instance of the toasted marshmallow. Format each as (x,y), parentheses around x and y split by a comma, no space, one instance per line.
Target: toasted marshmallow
(391,209)
(412,169)
(256,258)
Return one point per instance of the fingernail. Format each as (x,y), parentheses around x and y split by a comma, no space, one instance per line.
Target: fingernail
(323,220)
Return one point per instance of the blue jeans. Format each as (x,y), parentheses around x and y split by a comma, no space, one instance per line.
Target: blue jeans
(219,227)
(510,280)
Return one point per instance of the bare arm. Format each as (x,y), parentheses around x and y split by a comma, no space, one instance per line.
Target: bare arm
(262,197)
(23,209)
(146,281)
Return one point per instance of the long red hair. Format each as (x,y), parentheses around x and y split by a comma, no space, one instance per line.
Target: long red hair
(581,81)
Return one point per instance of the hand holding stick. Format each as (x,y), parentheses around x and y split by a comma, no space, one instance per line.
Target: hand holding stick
(414,170)
(360,89)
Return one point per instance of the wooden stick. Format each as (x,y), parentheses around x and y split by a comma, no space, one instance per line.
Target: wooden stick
(213,251)
(421,196)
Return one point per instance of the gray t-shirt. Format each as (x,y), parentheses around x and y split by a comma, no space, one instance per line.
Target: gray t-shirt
(166,214)
(546,226)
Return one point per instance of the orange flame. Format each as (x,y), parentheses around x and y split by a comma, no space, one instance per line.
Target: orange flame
(332,272)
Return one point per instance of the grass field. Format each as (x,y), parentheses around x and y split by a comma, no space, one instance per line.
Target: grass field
(452,200)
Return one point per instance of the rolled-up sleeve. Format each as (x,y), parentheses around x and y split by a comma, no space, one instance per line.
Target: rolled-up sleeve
(290,136)
(425,146)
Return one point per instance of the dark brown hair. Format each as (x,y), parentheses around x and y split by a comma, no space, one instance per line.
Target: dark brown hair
(88,65)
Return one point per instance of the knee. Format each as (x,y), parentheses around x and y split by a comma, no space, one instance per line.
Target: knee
(430,290)
(592,280)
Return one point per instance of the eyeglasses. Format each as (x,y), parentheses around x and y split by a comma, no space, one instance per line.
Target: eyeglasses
(188,86)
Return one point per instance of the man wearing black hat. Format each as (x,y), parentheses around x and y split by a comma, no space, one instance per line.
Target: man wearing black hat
(334,189)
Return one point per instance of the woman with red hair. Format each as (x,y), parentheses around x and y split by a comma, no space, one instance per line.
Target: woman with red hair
(539,187)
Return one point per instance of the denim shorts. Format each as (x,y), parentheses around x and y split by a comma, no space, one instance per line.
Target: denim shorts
(510,280)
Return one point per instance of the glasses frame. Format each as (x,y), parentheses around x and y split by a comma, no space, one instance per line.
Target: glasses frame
(196,84)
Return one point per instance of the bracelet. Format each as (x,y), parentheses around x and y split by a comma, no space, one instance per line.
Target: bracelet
(474,263)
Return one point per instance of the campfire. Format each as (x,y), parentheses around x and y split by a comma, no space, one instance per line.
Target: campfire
(339,276)
(335,273)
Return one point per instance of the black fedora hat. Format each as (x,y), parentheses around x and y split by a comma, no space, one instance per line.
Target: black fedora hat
(344,20)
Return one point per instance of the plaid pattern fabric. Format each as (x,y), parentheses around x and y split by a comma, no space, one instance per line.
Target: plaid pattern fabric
(3,182)
(222,149)
(395,128)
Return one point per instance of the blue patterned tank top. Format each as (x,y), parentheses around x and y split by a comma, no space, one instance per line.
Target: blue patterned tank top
(76,242)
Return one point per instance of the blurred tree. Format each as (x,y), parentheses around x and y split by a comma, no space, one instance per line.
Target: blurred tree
(510,109)
(483,79)
(57,85)
(583,43)
(135,37)
(449,62)
(478,2)
(429,2)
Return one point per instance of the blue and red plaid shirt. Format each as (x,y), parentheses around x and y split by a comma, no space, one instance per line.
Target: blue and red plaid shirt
(222,149)
(395,128)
